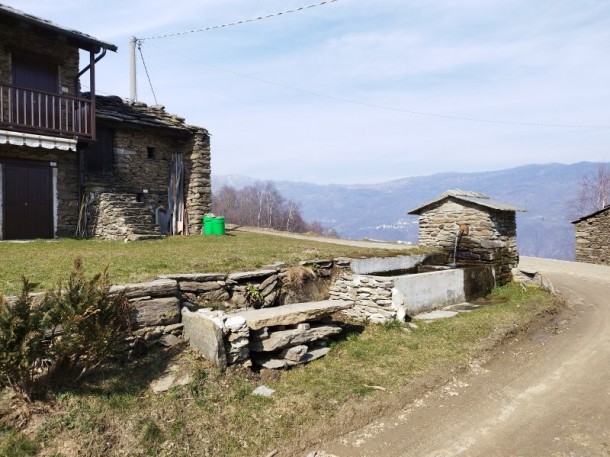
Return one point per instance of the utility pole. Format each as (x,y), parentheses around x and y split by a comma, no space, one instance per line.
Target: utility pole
(133,88)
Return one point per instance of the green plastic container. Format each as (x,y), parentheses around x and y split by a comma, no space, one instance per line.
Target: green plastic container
(218,225)
(207,225)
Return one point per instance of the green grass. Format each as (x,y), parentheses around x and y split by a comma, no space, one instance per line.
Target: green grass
(116,414)
(47,262)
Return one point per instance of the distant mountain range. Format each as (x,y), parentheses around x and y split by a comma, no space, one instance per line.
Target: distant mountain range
(379,211)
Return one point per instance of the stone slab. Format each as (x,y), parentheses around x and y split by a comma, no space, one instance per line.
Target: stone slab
(374,265)
(434,315)
(157,311)
(199,287)
(156,288)
(294,353)
(199,277)
(292,314)
(204,335)
(285,338)
(240,276)
(279,364)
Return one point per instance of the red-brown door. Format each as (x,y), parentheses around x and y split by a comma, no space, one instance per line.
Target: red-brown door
(27,202)
(36,109)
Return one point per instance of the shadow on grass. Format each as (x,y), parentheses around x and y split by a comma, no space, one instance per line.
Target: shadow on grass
(131,377)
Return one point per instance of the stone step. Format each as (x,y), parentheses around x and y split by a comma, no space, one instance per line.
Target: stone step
(286,338)
(292,314)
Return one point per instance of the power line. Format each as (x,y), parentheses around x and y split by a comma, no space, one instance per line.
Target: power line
(146,71)
(384,107)
(243,21)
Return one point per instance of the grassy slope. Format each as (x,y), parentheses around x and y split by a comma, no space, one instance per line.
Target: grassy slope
(116,414)
(46,262)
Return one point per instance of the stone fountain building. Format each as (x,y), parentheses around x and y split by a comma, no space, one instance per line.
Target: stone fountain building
(471,228)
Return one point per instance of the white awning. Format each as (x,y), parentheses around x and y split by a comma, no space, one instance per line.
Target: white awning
(36,141)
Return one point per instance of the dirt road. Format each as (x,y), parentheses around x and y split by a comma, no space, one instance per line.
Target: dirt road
(547,395)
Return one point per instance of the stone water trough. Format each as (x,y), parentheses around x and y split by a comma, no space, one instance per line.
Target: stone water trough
(383,289)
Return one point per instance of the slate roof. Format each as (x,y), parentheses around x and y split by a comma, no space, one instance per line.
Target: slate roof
(471,197)
(116,110)
(82,40)
(584,218)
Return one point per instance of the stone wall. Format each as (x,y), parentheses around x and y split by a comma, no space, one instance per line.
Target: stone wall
(147,178)
(492,237)
(216,313)
(116,216)
(593,238)
(17,40)
(198,184)
(372,297)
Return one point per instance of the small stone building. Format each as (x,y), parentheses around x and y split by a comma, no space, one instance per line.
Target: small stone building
(471,228)
(127,172)
(593,237)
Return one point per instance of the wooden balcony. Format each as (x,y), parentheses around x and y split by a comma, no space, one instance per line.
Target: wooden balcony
(44,113)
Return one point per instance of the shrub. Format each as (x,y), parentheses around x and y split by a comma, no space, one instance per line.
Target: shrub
(22,343)
(69,333)
(91,323)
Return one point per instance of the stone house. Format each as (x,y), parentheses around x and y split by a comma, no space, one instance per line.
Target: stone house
(67,154)
(471,228)
(593,237)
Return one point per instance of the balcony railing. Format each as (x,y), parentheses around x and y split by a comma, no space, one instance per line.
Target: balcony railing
(45,113)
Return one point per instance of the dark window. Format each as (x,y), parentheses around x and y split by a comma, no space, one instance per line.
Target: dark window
(99,155)
(150,152)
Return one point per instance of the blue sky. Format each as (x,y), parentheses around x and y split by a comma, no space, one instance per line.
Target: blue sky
(330,94)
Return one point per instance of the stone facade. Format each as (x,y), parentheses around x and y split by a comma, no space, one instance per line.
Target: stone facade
(593,237)
(141,172)
(31,42)
(491,236)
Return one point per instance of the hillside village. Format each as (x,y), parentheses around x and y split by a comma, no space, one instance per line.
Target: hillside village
(238,340)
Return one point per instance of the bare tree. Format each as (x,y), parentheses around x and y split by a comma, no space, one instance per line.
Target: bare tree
(262,205)
(593,192)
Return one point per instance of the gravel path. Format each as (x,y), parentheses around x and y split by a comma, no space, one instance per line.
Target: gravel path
(548,394)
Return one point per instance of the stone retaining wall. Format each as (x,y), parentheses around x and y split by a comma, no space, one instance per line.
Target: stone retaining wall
(251,317)
(160,306)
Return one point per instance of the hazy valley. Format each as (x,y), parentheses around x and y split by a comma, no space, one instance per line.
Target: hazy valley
(379,211)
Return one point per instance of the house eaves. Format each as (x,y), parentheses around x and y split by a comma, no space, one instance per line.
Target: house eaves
(114,110)
(584,218)
(14,16)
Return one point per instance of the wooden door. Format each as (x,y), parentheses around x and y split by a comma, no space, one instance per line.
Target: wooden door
(33,108)
(27,202)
